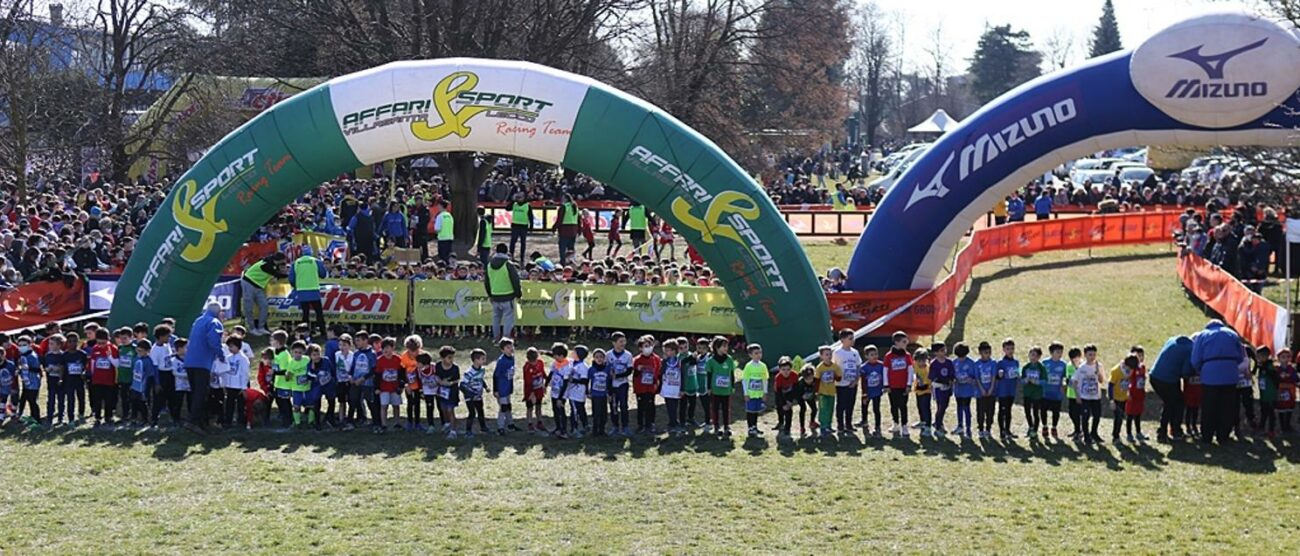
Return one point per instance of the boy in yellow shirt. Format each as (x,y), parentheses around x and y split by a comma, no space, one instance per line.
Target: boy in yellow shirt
(828,374)
(921,364)
(1117,391)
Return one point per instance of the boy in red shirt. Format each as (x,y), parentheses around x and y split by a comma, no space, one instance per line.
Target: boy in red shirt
(784,384)
(388,381)
(1137,397)
(103,377)
(899,373)
(534,389)
(647,369)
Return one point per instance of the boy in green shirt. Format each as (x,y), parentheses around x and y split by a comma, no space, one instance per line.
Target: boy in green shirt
(294,368)
(755,378)
(721,371)
(1032,387)
(692,383)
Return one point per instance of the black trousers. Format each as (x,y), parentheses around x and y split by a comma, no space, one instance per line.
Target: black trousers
(1005,405)
(898,405)
(721,411)
(1171,408)
(103,398)
(984,406)
(784,412)
(1090,416)
(307,308)
(1246,399)
(844,398)
(1117,412)
(645,411)
(475,412)
(599,410)
(200,387)
(1219,407)
(519,233)
(232,410)
(168,397)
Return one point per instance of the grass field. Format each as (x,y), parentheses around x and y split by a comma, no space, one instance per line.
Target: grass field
(166,492)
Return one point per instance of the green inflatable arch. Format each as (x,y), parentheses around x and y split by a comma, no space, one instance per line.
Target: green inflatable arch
(501,107)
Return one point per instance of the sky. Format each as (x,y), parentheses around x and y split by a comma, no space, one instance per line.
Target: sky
(964,20)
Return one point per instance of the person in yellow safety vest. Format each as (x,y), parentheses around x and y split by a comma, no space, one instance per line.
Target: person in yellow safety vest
(566,227)
(483,237)
(521,220)
(305,275)
(253,291)
(444,226)
(501,280)
(636,224)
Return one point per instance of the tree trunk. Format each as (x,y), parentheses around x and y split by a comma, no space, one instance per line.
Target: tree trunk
(463,178)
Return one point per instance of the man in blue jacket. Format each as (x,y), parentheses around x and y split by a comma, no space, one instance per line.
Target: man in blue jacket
(394,226)
(1216,355)
(204,348)
(1166,376)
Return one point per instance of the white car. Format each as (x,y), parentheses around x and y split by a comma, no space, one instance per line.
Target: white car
(1135,175)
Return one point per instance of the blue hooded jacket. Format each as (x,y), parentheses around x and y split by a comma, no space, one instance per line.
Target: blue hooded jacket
(394,225)
(1216,353)
(205,341)
(1174,361)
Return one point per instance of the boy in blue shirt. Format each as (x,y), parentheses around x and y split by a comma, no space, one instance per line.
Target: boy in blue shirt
(143,376)
(363,382)
(873,387)
(963,387)
(323,387)
(6,388)
(1008,370)
(503,383)
(986,372)
(28,367)
(1053,387)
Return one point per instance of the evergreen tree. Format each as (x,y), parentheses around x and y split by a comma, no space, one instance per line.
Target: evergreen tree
(1105,36)
(1003,60)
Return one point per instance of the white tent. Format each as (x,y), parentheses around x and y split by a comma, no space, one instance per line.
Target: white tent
(938,122)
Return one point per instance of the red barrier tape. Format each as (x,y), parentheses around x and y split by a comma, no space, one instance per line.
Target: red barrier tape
(1260,321)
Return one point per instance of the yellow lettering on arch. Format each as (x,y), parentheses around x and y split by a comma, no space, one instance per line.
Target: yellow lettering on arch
(453,120)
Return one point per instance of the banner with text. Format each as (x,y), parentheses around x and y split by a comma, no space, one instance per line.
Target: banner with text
(1260,321)
(377,301)
(41,302)
(665,308)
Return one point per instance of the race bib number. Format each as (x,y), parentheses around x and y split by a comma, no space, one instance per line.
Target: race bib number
(828,376)
(1053,380)
(302,379)
(722,381)
(444,392)
(753,384)
(390,375)
(1284,396)
(873,380)
(325,378)
(1089,388)
(74,368)
(103,364)
(538,382)
(647,377)
(1031,377)
(672,377)
(850,377)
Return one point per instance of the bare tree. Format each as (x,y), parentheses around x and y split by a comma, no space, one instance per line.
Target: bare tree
(938,52)
(871,65)
(1059,48)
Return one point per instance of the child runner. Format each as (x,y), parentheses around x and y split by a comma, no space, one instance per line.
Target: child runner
(363,382)
(924,389)
(412,346)
(648,372)
(143,375)
(615,236)
(1192,403)
(28,367)
(829,375)
(233,382)
(599,383)
(620,364)
(503,384)
(873,388)
(124,339)
(783,385)
(1054,382)
(448,380)
(576,391)
(55,370)
(103,377)
(1032,390)
(534,389)
(693,380)
(1117,391)
(343,357)
(846,390)
(559,374)
(473,385)
(1267,378)
(942,375)
(7,380)
(671,388)
(1287,380)
(74,381)
(722,379)
(324,388)
(986,372)
(965,388)
(297,379)
(805,392)
(900,374)
(428,377)
(1087,382)
(388,383)
(1075,407)
(1008,369)
(755,376)
(182,395)
(1137,397)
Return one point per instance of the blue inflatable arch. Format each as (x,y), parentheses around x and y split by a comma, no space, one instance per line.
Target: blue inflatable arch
(1219,79)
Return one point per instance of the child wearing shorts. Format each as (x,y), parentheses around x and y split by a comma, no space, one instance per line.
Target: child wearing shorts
(534,389)
(388,382)
(755,376)
(1137,398)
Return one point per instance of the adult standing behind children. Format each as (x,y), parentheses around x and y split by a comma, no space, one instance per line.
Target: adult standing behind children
(1216,353)
(305,275)
(1172,365)
(501,278)
(204,349)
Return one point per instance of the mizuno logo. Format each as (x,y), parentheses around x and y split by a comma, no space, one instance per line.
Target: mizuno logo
(1213,64)
(933,189)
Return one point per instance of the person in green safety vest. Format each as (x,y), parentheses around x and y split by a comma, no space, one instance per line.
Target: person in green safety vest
(305,275)
(483,238)
(253,291)
(754,380)
(566,227)
(637,223)
(444,226)
(501,280)
(521,220)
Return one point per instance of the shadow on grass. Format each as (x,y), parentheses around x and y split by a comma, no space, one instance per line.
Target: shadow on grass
(1255,456)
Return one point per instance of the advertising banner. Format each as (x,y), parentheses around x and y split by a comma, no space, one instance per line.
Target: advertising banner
(40,302)
(354,301)
(662,308)
(938,306)
(104,287)
(1260,321)
(324,246)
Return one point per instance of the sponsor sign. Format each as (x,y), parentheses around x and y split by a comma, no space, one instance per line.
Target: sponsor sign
(227,294)
(377,301)
(1218,70)
(665,308)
